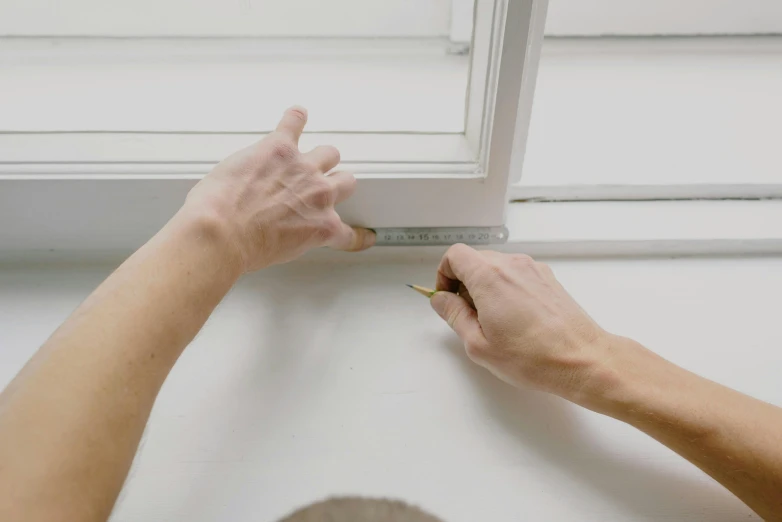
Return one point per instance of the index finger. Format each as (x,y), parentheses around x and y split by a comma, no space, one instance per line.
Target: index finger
(292,123)
(457,266)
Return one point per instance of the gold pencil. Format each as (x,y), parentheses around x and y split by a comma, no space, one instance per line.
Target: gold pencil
(426,292)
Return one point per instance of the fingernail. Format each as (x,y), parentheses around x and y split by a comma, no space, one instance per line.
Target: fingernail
(298,109)
(369,238)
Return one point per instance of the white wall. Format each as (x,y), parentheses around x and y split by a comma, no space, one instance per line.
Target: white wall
(318,379)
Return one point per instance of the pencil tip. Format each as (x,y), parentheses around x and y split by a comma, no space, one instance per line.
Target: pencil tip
(426,292)
(410,286)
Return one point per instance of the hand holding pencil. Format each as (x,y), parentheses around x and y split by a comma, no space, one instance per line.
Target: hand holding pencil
(517,320)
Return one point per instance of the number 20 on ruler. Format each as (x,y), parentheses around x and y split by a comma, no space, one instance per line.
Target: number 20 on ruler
(441,236)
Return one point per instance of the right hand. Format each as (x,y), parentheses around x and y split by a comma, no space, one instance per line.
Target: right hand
(517,321)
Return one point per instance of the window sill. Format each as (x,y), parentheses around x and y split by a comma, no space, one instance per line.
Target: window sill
(646,228)
(563,230)
(617,230)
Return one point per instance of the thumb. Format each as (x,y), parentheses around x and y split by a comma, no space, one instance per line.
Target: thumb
(353,239)
(459,315)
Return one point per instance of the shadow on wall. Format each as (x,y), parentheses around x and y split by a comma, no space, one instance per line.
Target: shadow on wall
(542,423)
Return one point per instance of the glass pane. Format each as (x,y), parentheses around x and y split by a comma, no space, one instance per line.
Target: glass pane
(357,65)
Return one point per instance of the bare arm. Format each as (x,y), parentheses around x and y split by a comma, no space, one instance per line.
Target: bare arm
(71,420)
(528,331)
(733,437)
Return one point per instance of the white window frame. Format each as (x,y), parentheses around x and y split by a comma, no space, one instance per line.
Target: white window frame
(137,180)
(96,183)
(655,118)
(644,18)
(663,17)
(226,18)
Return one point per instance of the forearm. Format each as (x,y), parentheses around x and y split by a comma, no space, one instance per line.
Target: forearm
(71,420)
(734,438)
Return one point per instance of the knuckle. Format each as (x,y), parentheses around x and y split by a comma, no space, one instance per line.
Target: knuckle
(493,255)
(495,269)
(323,235)
(321,195)
(523,260)
(453,314)
(330,226)
(494,272)
(544,268)
(282,149)
(457,250)
(308,168)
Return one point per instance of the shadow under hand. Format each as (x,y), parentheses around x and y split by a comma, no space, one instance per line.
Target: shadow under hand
(546,425)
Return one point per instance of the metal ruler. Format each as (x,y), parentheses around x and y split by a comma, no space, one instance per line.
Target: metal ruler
(441,236)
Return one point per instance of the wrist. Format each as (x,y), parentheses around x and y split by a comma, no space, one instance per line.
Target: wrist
(620,377)
(213,235)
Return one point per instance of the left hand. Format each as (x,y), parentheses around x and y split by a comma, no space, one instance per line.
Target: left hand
(275,203)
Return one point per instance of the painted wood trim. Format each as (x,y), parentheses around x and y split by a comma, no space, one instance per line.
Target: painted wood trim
(373,18)
(619,229)
(645,221)
(483,59)
(226,18)
(60,149)
(121,212)
(655,118)
(663,17)
(529,79)
(568,18)
(500,99)
(88,181)
(231,85)
(646,192)
(563,230)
